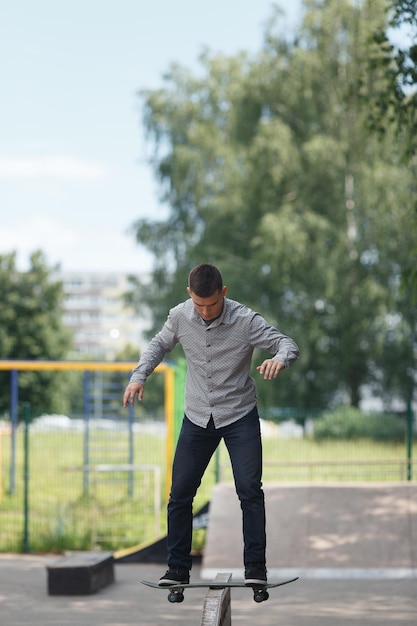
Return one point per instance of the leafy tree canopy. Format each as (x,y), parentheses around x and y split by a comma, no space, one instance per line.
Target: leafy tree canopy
(269,171)
(392,97)
(393,73)
(31,327)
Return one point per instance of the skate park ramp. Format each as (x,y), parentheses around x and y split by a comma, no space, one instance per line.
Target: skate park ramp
(323,531)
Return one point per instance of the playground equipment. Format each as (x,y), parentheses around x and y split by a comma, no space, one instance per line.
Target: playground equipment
(173,403)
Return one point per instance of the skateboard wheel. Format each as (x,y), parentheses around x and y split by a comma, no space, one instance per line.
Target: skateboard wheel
(175,596)
(261,595)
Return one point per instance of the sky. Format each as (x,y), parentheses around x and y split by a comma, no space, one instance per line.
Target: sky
(73,170)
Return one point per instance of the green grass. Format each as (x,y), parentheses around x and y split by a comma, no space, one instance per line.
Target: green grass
(111,515)
(63,515)
(309,460)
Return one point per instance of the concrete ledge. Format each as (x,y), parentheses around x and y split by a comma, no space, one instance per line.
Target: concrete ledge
(217,609)
(80,573)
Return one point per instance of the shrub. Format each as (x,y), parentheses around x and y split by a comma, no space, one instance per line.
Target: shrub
(346,422)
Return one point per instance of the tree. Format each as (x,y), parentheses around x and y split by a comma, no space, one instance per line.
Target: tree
(391,95)
(269,171)
(349,193)
(31,327)
(392,75)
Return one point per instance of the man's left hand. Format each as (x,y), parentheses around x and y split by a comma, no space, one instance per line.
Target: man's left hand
(270,368)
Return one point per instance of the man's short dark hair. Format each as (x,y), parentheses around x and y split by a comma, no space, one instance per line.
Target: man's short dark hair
(205,279)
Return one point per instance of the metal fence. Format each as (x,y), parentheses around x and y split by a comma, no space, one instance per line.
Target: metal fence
(51,500)
(96,481)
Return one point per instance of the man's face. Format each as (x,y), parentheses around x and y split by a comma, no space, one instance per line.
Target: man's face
(211,307)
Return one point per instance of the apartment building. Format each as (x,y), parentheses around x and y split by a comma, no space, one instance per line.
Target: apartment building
(94,307)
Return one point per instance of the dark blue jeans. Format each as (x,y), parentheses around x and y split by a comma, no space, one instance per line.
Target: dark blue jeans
(194,450)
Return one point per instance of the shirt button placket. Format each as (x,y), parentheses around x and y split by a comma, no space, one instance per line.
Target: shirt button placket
(209,366)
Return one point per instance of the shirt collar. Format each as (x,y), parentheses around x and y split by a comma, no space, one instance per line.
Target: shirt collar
(224,317)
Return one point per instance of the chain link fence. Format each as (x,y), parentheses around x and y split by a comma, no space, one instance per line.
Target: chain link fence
(81,483)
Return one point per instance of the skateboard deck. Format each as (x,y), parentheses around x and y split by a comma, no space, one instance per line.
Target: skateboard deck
(176,592)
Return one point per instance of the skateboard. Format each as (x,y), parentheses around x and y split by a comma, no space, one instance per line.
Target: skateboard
(176,592)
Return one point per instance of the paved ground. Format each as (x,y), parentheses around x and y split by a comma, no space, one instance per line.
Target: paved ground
(24,601)
(354,547)
(322,531)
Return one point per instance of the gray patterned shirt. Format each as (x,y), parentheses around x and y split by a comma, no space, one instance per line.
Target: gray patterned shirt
(218,358)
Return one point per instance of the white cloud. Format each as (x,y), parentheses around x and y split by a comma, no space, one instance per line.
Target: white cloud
(58,167)
(103,248)
(38,233)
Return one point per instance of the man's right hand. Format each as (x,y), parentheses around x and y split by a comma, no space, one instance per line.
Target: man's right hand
(131,391)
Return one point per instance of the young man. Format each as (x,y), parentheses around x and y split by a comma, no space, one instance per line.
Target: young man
(218,336)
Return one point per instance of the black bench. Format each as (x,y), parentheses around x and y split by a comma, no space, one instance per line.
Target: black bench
(80,573)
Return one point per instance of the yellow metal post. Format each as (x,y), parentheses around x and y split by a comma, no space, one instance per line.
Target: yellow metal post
(169,419)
